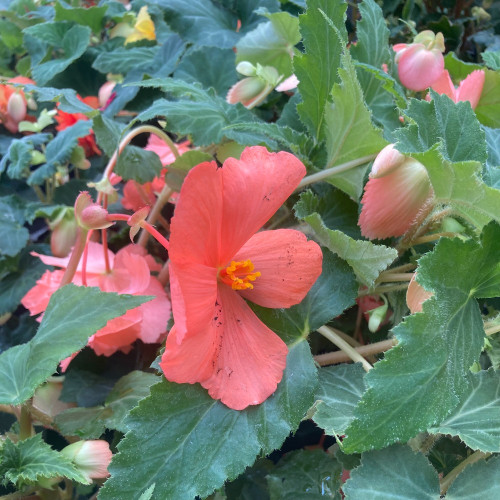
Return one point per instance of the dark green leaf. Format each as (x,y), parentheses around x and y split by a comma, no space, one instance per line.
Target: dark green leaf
(15,235)
(122,60)
(334,291)
(178,170)
(90,16)
(72,316)
(138,164)
(30,460)
(179,424)
(317,68)
(107,133)
(395,472)
(305,475)
(366,259)
(339,391)
(67,99)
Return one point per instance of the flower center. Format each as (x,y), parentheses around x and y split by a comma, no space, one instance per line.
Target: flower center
(239,275)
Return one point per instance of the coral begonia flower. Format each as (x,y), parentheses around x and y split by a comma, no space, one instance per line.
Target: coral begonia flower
(397,190)
(420,63)
(217,260)
(131,274)
(135,195)
(469,89)
(13,104)
(416,295)
(65,120)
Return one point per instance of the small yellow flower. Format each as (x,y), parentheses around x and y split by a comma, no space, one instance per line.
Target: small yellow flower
(143,29)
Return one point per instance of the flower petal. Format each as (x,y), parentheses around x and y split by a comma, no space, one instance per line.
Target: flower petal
(471,88)
(194,292)
(288,263)
(254,187)
(444,85)
(155,313)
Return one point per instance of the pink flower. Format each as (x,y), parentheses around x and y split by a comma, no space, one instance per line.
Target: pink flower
(420,63)
(469,89)
(135,195)
(397,190)
(416,295)
(290,83)
(130,273)
(91,458)
(217,260)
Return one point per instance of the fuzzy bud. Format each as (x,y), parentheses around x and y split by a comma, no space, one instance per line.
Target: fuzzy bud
(91,458)
(16,107)
(63,236)
(90,215)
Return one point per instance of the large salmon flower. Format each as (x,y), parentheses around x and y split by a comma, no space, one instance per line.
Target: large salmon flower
(217,259)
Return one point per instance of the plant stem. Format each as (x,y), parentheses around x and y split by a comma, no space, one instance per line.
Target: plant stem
(450,477)
(432,237)
(332,335)
(164,274)
(80,244)
(382,289)
(490,330)
(25,425)
(162,200)
(329,172)
(394,277)
(332,358)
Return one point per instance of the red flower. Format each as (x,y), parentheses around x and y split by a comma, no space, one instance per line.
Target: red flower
(66,120)
(131,273)
(217,260)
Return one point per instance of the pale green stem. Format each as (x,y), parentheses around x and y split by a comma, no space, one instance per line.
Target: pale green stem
(329,172)
(25,425)
(336,339)
(450,477)
(382,289)
(491,330)
(76,254)
(332,358)
(394,277)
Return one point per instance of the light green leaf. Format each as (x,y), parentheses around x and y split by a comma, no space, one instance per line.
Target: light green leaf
(71,39)
(317,68)
(271,43)
(66,98)
(90,16)
(339,390)
(122,60)
(138,164)
(488,107)
(74,314)
(178,170)
(305,475)
(492,59)
(477,482)
(349,132)
(476,421)
(394,472)
(179,424)
(453,126)
(366,259)
(334,291)
(460,186)
(407,395)
(30,460)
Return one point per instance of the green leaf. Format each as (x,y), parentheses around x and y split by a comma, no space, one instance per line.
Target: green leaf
(271,43)
(122,60)
(366,259)
(334,291)
(460,186)
(30,460)
(15,235)
(67,99)
(107,133)
(72,316)
(71,39)
(488,107)
(348,130)
(406,393)
(59,151)
(339,390)
(178,170)
(317,68)
(92,17)
(220,74)
(394,472)
(179,423)
(305,475)
(477,482)
(89,423)
(453,126)
(198,112)
(138,164)
(492,59)
(476,421)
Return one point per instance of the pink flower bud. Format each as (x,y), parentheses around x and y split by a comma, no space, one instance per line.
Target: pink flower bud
(416,295)
(397,190)
(420,63)
(91,458)
(63,236)
(250,92)
(90,215)
(105,92)
(16,107)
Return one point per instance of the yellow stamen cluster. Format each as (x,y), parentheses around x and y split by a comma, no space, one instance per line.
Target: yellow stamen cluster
(239,275)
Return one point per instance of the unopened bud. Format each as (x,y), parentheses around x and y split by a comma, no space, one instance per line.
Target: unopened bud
(90,215)
(91,458)
(377,316)
(63,235)
(16,107)
(246,68)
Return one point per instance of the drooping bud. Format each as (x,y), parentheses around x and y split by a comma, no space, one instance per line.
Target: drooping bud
(91,458)
(420,63)
(16,107)
(64,232)
(416,295)
(398,188)
(90,215)
(246,68)
(105,92)
(377,316)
